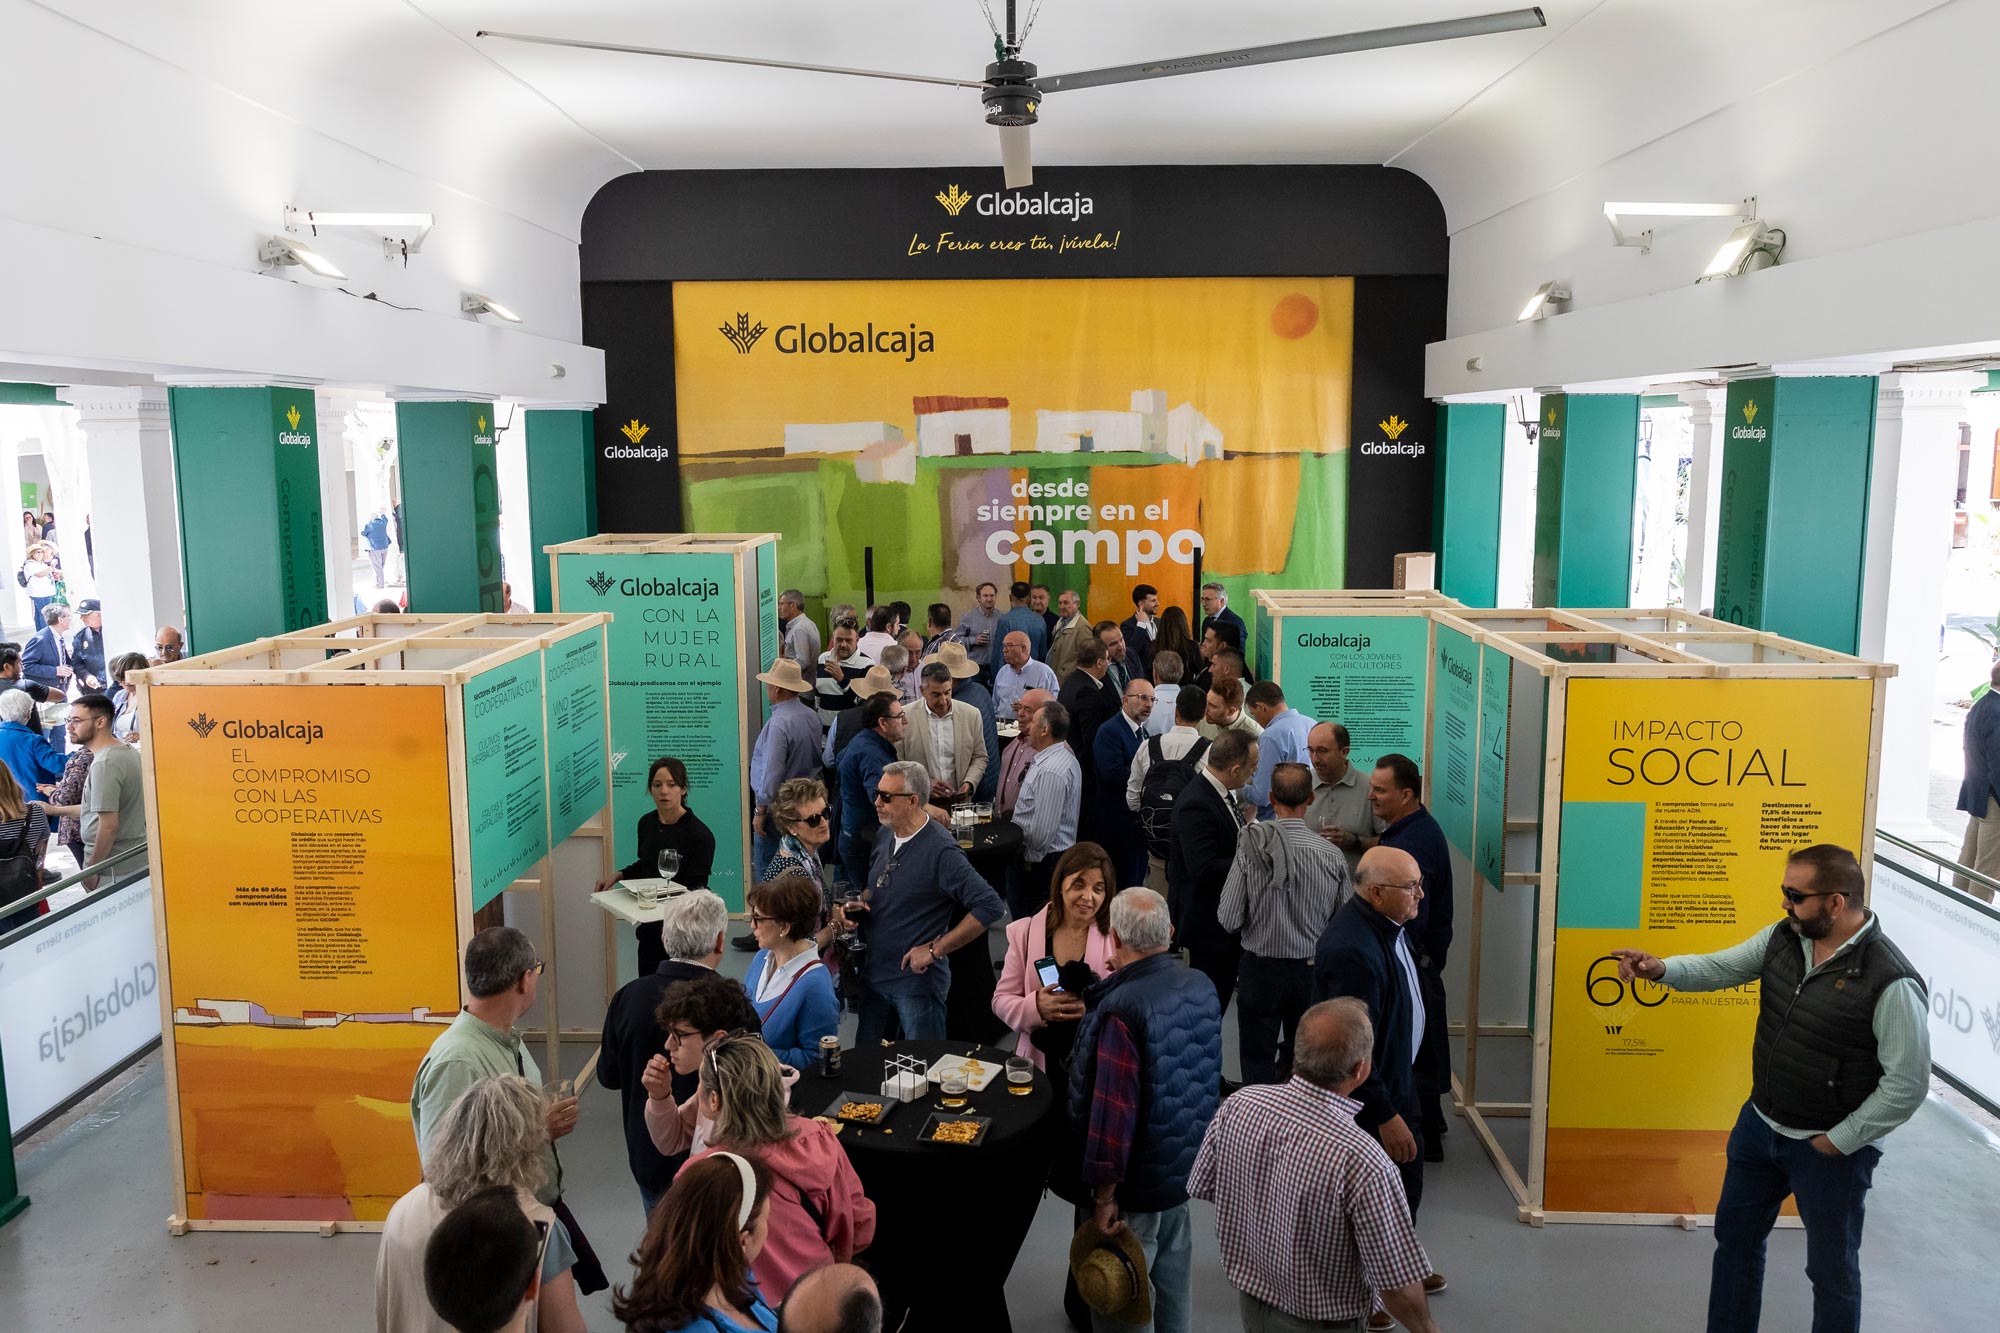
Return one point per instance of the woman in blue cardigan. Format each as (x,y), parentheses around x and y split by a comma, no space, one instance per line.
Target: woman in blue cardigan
(789,986)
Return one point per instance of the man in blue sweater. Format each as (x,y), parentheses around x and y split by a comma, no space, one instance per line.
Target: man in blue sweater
(924,900)
(861,763)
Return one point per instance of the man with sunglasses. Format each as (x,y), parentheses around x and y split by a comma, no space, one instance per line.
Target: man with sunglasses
(883,725)
(1835,996)
(924,900)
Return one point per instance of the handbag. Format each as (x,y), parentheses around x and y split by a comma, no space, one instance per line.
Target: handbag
(20,868)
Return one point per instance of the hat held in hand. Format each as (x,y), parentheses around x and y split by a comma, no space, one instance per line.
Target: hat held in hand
(1110,1273)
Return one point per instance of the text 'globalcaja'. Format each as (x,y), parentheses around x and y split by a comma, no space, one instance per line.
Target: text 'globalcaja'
(669,588)
(1349,641)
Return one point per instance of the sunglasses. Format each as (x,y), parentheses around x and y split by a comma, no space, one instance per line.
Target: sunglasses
(1794,897)
(811,821)
(882,796)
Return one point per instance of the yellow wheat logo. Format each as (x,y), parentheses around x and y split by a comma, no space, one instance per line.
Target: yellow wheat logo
(634,430)
(292,415)
(482,424)
(1749,411)
(1552,416)
(1394,426)
(954,200)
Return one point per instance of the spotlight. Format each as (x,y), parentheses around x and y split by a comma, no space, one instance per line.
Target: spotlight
(1546,295)
(475,304)
(1741,252)
(279,251)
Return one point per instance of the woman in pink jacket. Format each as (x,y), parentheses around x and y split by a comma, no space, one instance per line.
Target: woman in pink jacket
(1074,927)
(818,1213)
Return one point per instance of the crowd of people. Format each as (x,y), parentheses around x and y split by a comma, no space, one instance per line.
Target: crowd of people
(1187,838)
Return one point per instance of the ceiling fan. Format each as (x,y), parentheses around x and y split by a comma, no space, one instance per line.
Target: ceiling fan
(1013,89)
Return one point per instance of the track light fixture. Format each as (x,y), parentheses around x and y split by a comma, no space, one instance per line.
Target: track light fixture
(1546,295)
(474,304)
(1750,247)
(1615,213)
(280,250)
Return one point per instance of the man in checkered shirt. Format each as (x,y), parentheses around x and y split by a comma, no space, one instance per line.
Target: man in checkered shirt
(1309,1210)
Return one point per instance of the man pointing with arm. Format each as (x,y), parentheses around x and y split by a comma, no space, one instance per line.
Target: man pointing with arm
(1842,1057)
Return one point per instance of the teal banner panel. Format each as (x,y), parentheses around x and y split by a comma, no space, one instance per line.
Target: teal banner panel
(506,783)
(674,689)
(1472,439)
(1454,763)
(1603,860)
(573,694)
(767,615)
(561,473)
(1367,673)
(1587,470)
(1496,694)
(440,450)
(246,480)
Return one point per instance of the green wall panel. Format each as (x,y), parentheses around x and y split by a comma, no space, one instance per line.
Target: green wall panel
(1472,440)
(442,450)
(560,470)
(1586,471)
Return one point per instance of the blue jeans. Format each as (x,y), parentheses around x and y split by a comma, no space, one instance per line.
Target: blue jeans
(651,1201)
(1167,1241)
(1765,1167)
(763,846)
(889,1017)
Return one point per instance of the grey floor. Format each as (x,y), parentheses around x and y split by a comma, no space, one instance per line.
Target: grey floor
(93,1253)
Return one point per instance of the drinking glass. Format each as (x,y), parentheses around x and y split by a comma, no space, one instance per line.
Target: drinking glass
(1020,1075)
(670,863)
(953,1085)
(984,810)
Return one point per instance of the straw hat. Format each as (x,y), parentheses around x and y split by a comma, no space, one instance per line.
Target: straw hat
(876,680)
(1110,1273)
(954,658)
(785,674)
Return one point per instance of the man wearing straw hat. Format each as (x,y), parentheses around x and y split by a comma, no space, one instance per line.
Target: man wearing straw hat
(787,748)
(968,689)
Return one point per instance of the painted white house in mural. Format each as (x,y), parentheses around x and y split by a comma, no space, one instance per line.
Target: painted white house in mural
(949,426)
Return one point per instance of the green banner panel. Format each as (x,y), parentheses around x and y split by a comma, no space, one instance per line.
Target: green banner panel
(1496,679)
(246,480)
(1603,863)
(674,689)
(1366,673)
(14,394)
(573,690)
(1454,762)
(560,478)
(767,615)
(1587,469)
(1792,539)
(1472,439)
(450,515)
(506,785)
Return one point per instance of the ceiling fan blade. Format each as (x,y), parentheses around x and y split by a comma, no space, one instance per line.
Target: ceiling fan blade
(726,60)
(1412,34)
(1015,163)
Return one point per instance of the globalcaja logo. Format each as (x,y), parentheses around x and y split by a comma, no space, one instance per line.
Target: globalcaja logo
(743,336)
(600,582)
(1394,426)
(203,725)
(294,435)
(634,430)
(1750,411)
(1992,1017)
(292,416)
(954,200)
(1748,430)
(1552,416)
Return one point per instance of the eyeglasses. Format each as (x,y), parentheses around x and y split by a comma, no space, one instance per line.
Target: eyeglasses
(1794,897)
(812,820)
(535,968)
(675,1036)
(1408,886)
(881,796)
(757,920)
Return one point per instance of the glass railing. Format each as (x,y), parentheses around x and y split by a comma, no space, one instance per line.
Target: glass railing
(110,873)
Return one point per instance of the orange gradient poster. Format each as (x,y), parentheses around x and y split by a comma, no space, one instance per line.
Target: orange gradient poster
(311,939)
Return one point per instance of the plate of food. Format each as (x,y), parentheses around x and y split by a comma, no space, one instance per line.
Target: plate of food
(860,1108)
(978,1073)
(965,1131)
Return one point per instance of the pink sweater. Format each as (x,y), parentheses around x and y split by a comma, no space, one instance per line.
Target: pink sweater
(1014,994)
(810,1175)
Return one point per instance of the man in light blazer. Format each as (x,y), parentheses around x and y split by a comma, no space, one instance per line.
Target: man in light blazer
(947,737)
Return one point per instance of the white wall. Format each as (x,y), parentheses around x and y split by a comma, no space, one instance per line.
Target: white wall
(1865,130)
(148,155)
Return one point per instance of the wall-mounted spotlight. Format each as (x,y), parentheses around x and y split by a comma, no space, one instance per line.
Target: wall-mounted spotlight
(1546,295)
(1615,213)
(381,224)
(1750,247)
(475,304)
(280,250)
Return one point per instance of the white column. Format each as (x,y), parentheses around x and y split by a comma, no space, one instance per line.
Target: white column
(1705,408)
(339,524)
(135,520)
(1913,483)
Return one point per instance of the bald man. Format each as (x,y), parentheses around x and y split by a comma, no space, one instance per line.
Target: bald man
(1015,758)
(838,1298)
(167,645)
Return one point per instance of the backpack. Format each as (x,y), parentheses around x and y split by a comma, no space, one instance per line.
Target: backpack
(1164,780)
(21,574)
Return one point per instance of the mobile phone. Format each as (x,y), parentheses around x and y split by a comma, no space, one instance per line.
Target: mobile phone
(1046,969)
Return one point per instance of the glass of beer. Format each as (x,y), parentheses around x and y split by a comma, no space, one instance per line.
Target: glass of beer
(984,811)
(1020,1075)
(952,1084)
(962,823)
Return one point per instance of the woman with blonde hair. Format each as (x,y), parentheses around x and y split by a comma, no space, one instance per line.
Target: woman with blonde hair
(819,1214)
(24,834)
(493,1134)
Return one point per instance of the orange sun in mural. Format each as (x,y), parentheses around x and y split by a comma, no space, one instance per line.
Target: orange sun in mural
(1294,316)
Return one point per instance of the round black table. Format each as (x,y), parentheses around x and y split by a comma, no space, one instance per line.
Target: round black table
(949,1219)
(968,1005)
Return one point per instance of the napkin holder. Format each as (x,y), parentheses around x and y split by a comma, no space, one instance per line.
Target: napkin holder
(905,1078)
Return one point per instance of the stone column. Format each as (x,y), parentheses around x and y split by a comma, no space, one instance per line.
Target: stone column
(1704,497)
(134,523)
(1912,486)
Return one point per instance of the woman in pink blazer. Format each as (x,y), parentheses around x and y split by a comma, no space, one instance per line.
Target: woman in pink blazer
(1074,927)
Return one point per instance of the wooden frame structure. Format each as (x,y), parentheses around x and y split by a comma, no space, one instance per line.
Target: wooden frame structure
(443,652)
(1547,648)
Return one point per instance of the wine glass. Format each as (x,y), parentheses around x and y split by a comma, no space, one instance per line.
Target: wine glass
(670,863)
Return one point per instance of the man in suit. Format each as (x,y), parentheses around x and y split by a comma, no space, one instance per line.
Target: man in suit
(1111,764)
(1215,611)
(87,648)
(1070,630)
(45,658)
(1207,818)
(1139,628)
(947,738)
(1090,699)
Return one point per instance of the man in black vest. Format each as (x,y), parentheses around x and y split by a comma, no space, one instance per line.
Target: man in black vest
(1835,996)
